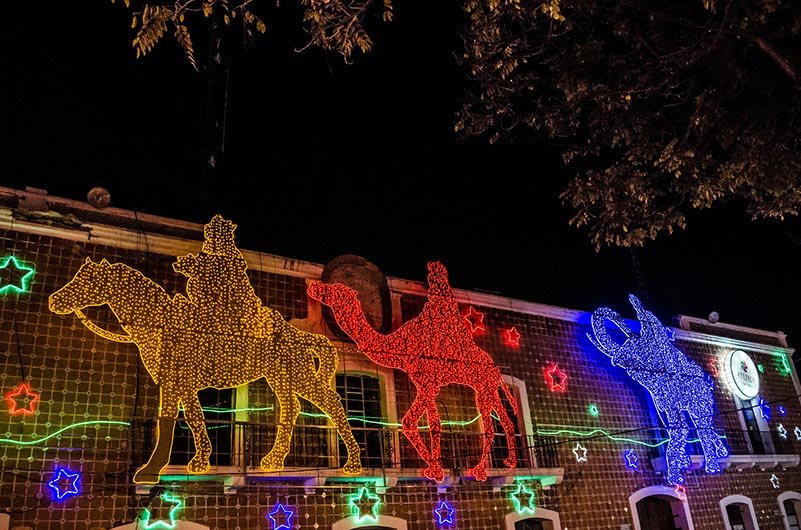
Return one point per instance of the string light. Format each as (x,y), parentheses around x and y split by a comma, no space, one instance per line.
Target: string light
(764,409)
(22,400)
(774,481)
(524,499)
(782,410)
(475,319)
(11,266)
(580,452)
(555,378)
(783,365)
(159,524)
(681,492)
(592,410)
(434,349)
(63,429)
(631,460)
(65,484)
(677,384)
(797,432)
(241,340)
(445,514)
(512,336)
(364,505)
(280,513)
(761,369)
(782,431)
(595,432)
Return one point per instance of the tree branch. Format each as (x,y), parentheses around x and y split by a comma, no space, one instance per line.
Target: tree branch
(783,63)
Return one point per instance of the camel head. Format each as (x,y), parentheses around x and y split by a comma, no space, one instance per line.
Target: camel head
(438,283)
(332,294)
(87,288)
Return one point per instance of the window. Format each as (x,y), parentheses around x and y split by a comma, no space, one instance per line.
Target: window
(543,519)
(659,508)
(217,424)
(790,508)
(738,513)
(361,397)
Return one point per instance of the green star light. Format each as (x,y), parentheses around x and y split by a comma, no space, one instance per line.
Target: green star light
(364,505)
(21,273)
(524,499)
(160,524)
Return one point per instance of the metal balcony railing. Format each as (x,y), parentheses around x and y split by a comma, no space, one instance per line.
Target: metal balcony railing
(738,442)
(242,445)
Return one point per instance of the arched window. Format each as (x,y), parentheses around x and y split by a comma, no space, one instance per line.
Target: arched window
(790,508)
(180,525)
(660,508)
(541,519)
(738,513)
(384,522)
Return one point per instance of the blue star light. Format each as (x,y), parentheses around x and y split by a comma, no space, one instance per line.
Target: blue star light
(65,484)
(281,514)
(680,389)
(671,334)
(630,457)
(764,409)
(444,513)
(782,410)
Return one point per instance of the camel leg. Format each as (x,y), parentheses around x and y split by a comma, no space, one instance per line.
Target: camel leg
(485,410)
(677,432)
(434,470)
(509,430)
(290,408)
(331,404)
(410,429)
(197,424)
(165,423)
(710,441)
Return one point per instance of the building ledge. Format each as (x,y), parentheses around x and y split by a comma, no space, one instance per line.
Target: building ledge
(383,479)
(741,461)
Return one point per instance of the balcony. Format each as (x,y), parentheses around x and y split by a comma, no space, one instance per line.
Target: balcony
(317,454)
(747,449)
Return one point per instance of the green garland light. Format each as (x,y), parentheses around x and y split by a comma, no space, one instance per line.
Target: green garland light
(68,427)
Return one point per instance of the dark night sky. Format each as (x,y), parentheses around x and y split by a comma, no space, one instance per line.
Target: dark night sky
(324,159)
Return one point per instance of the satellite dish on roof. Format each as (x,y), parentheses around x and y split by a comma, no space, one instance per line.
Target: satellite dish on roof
(99,197)
(713,317)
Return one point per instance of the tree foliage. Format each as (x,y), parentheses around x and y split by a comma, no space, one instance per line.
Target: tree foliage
(333,25)
(658,106)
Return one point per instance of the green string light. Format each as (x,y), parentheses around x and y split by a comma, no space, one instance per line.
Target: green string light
(595,432)
(68,427)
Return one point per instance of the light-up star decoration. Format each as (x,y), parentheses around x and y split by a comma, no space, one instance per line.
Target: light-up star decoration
(592,410)
(15,276)
(782,410)
(797,432)
(524,499)
(444,513)
(580,452)
(679,388)
(782,431)
(512,336)
(364,505)
(764,409)
(474,319)
(161,524)
(555,378)
(631,460)
(774,481)
(671,334)
(64,484)
(681,492)
(22,400)
(280,518)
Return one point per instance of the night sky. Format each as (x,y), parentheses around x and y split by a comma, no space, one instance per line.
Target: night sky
(323,159)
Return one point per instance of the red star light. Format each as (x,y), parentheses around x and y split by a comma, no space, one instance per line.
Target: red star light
(512,336)
(21,400)
(475,320)
(556,378)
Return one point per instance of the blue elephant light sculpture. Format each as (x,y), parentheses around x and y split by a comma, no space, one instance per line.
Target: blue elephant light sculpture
(680,389)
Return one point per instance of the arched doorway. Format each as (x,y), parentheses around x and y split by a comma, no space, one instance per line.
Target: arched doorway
(790,508)
(660,508)
(180,525)
(541,519)
(738,513)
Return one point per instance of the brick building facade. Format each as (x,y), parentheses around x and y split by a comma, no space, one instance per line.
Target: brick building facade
(90,405)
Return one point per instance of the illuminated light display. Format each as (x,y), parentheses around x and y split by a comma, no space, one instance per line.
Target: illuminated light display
(678,386)
(774,481)
(670,333)
(783,364)
(592,410)
(782,410)
(15,276)
(631,460)
(555,378)
(512,336)
(741,374)
(713,367)
(761,369)
(782,431)
(43,439)
(595,432)
(219,337)
(764,409)
(681,491)
(364,505)
(475,319)
(435,350)
(22,400)
(580,452)
(444,513)
(524,499)
(797,432)
(64,484)
(160,524)
(280,518)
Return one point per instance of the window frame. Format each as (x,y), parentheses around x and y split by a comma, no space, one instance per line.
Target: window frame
(658,491)
(787,496)
(737,499)
(540,513)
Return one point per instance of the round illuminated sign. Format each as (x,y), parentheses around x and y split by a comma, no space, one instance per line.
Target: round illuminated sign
(741,374)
